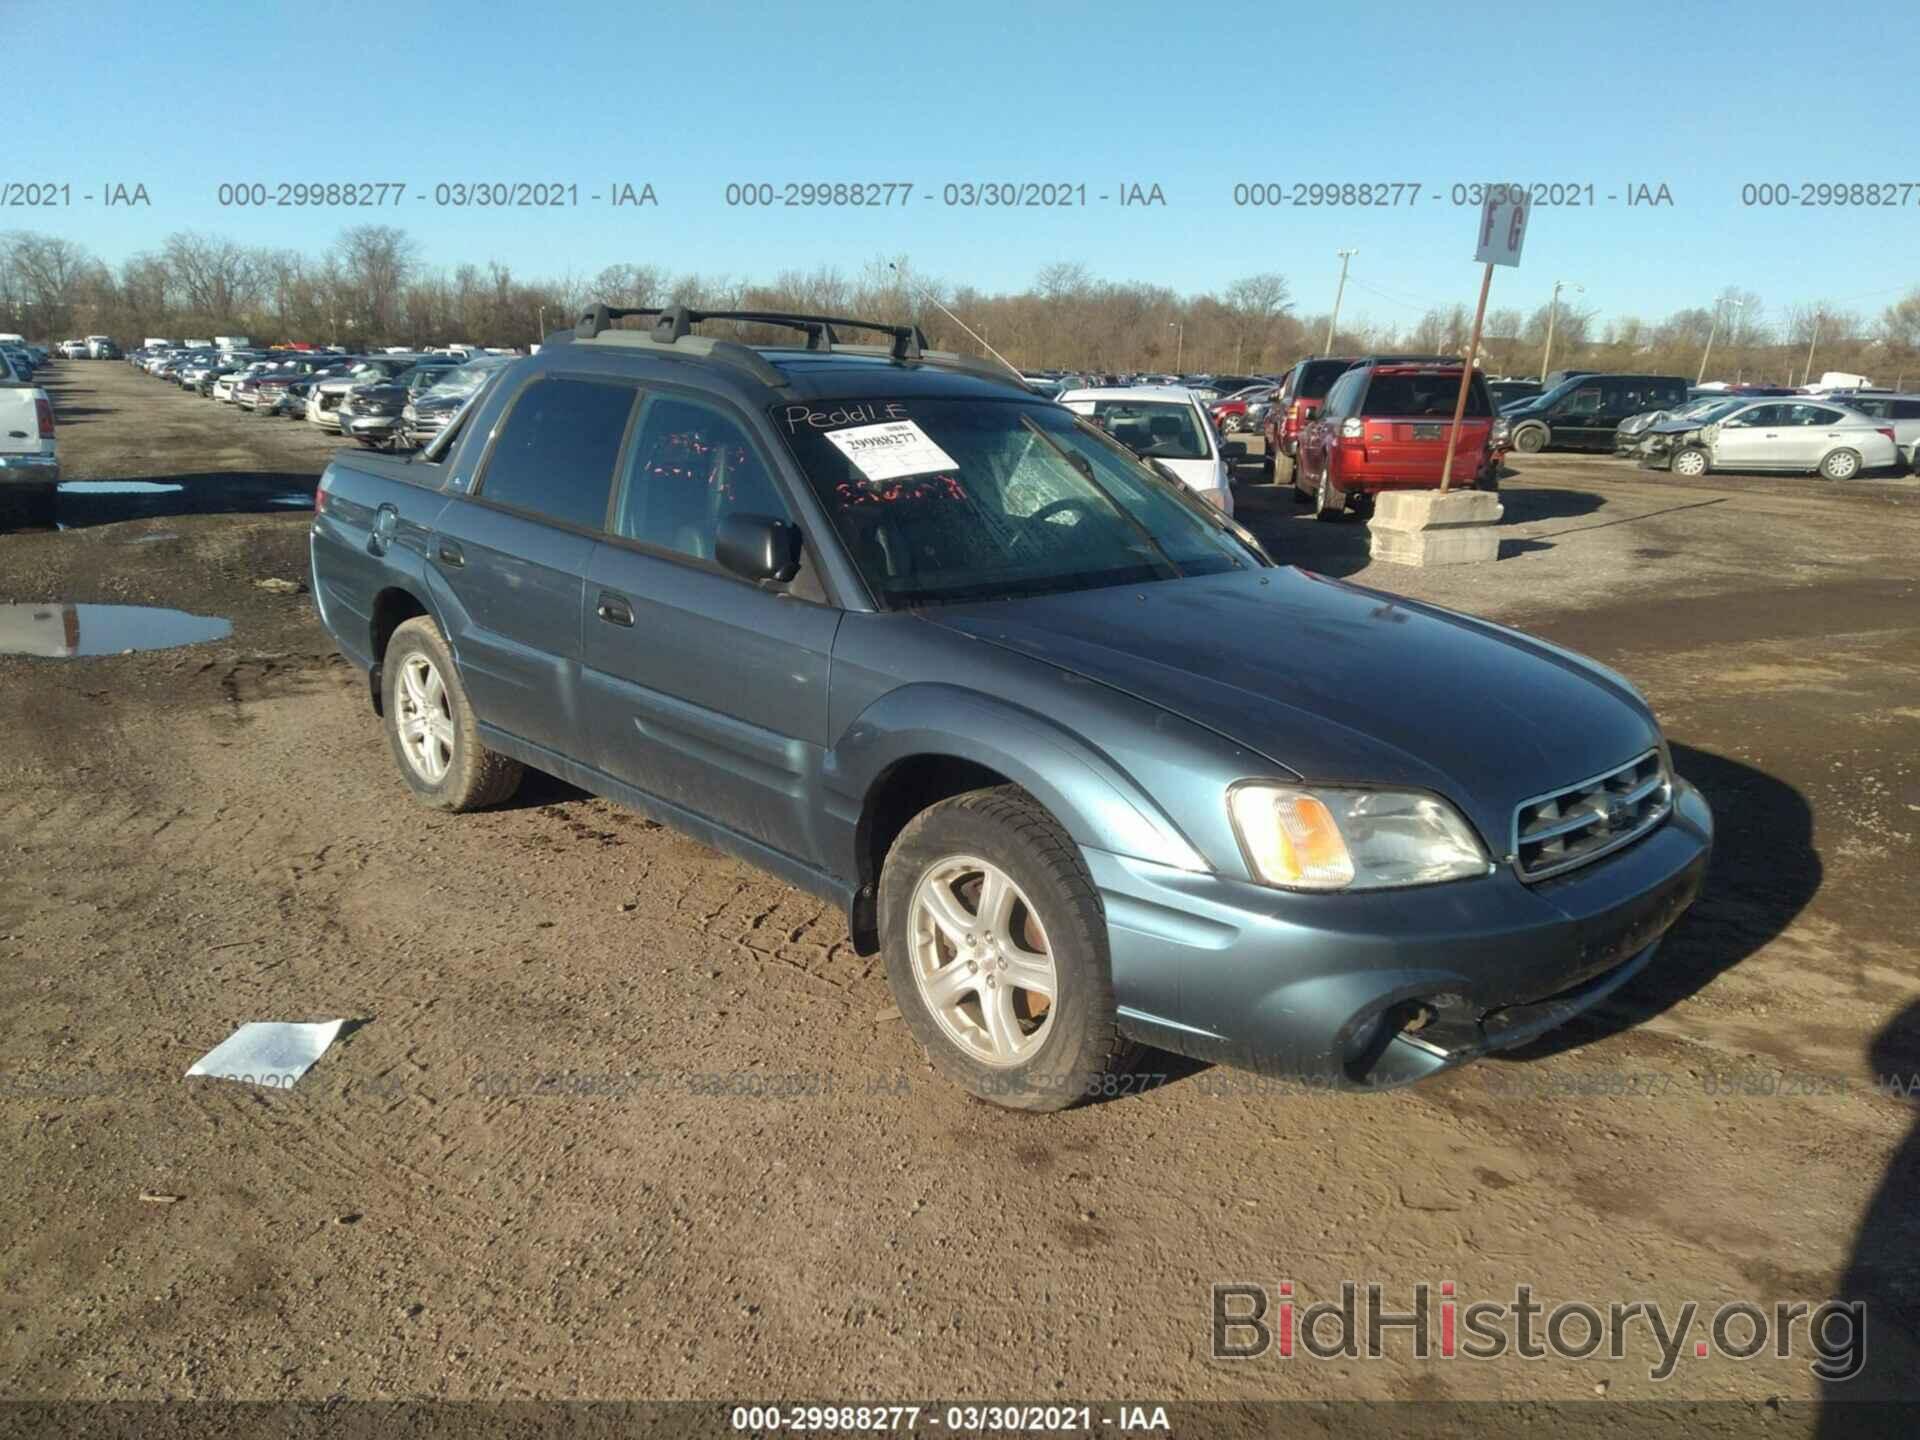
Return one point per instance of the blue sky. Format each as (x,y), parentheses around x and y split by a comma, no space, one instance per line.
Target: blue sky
(1699,98)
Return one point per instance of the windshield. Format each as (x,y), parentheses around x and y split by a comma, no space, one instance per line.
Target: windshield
(1158,429)
(942,501)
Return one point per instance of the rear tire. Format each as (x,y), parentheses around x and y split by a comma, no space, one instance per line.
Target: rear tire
(1267,467)
(1840,465)
(1328,502)
(431,725)
(1052,927)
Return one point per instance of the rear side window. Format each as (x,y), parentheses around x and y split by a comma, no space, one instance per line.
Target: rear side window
(1905,410)
(1317,379)
(555,454)
(1340,398)
(1427,393)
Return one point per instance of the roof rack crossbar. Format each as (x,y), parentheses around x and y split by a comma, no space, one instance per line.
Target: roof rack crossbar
(676,322)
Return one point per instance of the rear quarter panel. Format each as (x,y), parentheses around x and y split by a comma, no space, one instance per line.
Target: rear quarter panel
(352,560)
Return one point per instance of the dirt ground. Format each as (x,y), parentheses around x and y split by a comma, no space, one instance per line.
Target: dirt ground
(621,1117)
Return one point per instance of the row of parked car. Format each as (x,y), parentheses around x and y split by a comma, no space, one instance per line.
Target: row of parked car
(1664,422)
(395,400)
(1341,436)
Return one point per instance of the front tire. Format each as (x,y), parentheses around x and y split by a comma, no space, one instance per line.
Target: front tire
(1840,465)
(1530,439)
(997,953)
(1689,461)
(431,725)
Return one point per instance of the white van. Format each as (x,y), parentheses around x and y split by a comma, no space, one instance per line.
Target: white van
(232,342)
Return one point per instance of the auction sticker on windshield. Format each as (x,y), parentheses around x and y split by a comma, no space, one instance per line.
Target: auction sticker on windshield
(891,451)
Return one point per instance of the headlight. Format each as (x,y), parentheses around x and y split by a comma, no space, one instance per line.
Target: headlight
(1333,839)
(1501,429)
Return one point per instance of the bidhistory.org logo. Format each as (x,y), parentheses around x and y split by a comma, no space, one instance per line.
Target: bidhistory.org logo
(1252,1322)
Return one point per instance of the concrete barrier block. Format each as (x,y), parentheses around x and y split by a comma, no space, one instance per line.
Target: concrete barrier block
(1424,527)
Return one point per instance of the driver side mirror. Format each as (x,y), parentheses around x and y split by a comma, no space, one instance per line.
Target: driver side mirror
(1233,452)
(758,547)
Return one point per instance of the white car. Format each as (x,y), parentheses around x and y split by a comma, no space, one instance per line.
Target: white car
(1163,423)
(1794,435)
(28,464)
(74,350)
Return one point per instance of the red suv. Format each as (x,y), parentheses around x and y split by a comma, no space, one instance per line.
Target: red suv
(1295,403)
(1383,426)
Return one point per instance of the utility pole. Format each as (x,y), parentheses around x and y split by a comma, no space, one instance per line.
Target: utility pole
(1179,329)
(1807,379)
(1712,330)
(1553,315)
(1334,319)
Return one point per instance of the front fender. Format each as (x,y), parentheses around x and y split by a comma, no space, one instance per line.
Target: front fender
(1094,800)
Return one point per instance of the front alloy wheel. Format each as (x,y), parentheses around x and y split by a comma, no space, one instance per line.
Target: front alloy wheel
(981,960)
(997,952)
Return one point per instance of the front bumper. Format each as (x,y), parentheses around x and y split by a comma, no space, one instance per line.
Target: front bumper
(1319,987)
(29,470)
(369,424)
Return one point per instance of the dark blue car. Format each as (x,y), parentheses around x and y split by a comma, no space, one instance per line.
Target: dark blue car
(1066,744)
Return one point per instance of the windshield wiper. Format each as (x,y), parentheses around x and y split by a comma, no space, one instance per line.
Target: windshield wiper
(1085,467)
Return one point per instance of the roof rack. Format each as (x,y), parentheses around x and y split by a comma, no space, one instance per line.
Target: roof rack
(673,325)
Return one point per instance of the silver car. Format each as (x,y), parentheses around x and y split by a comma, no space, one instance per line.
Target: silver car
(1902,412)
(1804,436)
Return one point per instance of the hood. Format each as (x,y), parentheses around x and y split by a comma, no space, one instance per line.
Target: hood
(1337,683)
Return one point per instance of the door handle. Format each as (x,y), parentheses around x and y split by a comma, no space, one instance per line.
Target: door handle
(614,609)
(452,554)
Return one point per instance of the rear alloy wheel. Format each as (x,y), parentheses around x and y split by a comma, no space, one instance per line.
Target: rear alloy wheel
(432,728)
(1841,465)
(1328,502)
(997,952)
(1530,439)
(1690,461)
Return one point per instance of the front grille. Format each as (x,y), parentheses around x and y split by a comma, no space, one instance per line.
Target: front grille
(1571,826)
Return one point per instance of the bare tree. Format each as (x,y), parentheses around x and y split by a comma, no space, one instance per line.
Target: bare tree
(377,261)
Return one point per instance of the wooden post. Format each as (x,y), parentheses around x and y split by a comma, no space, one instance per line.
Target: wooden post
(1466,379)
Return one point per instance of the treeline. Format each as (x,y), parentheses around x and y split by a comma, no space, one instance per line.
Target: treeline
(372,287)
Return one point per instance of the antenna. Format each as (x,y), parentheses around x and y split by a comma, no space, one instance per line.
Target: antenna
(932,300)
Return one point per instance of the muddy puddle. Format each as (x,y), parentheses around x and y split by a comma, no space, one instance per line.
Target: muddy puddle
(56,630)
